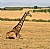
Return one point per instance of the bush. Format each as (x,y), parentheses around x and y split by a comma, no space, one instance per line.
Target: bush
(40,20)
(49,10)
(18,19)
(20,48)
(34,20)
(27,20)
(48,20)
(45,10)
(7,19)
(35,7)
(40,10)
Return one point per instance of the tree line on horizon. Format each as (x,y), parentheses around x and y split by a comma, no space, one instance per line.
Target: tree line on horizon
(18,19)
(21,8)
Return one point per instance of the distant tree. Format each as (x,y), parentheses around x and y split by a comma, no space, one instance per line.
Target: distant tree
(4,9)
(35,7)
(0,8)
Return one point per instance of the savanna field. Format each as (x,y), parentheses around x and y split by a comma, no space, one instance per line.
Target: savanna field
(35,35)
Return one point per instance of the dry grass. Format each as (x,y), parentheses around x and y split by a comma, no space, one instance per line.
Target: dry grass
(19,14)
(35,35)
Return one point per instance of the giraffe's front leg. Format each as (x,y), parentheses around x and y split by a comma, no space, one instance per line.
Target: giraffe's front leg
(18,36)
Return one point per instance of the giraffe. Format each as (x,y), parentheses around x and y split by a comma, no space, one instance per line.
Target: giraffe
(14,33)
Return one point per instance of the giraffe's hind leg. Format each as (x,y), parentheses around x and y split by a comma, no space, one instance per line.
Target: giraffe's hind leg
(10,35)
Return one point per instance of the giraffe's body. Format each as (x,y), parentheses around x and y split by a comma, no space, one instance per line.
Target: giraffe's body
(14,33)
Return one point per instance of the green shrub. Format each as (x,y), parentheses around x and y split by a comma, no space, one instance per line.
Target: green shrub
(40,10)
(27,20)
(40,20)
(49,10)
(35,7)
(48,20)
(34,20)
(18,19)
(7,19)
(20,48)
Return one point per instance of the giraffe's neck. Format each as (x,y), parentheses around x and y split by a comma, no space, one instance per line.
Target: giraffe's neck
(19,25)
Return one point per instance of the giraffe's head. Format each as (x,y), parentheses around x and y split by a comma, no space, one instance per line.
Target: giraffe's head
(28,13)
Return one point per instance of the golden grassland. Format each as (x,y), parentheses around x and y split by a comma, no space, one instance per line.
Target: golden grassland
(19,14)
(35,35)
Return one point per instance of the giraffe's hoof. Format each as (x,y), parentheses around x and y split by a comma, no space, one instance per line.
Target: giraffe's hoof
(21,37)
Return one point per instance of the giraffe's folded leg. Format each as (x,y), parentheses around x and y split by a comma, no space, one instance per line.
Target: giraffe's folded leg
(18,36)
(10,38)
(10,35)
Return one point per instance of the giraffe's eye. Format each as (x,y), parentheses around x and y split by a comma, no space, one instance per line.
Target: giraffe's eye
(28,12)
